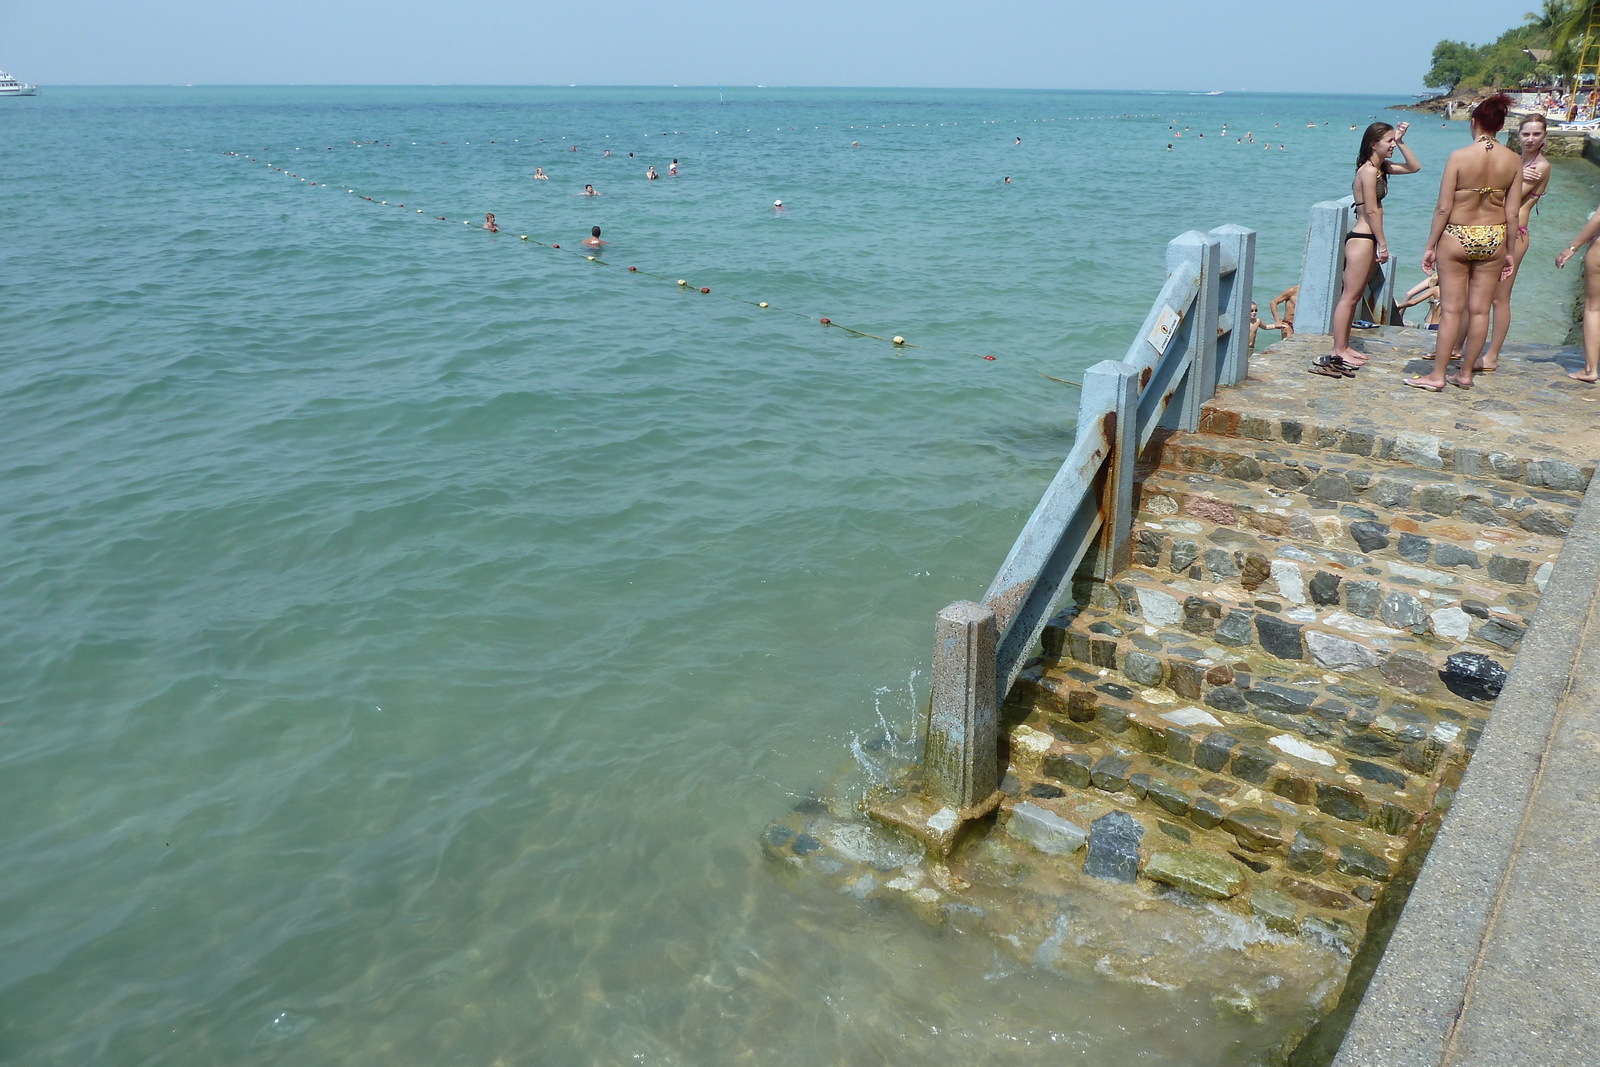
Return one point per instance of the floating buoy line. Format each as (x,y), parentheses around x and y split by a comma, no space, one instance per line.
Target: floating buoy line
(897,341)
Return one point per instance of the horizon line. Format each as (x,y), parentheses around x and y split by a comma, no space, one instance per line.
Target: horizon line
(723,86)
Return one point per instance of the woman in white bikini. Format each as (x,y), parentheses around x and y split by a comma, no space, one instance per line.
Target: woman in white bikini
(1366,247)
(1480,201)
(1535,180)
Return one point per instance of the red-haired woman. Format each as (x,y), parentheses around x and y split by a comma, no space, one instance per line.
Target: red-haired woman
(1366,247)
(1480,198)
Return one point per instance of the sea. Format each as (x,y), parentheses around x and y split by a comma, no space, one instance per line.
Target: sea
(409,629)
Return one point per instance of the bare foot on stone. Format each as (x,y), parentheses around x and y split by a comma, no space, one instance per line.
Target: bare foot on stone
(1578,376)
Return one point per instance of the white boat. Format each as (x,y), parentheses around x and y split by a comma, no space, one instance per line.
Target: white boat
(10,86)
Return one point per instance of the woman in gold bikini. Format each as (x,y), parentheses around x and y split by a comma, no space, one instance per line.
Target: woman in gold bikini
(1480,199)
(1535,180)
(1366,246)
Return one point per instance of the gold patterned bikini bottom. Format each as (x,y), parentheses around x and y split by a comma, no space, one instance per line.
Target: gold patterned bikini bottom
(1478,242)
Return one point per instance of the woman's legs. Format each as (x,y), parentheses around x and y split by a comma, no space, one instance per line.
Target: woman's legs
(1501,311)
(1483,276)
(1359,256)
(1591,316)
(1453,278)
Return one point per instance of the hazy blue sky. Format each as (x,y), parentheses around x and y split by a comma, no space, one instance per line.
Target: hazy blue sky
(1364,45)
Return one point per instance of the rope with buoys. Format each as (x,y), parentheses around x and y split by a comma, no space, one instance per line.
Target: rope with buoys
(898,341)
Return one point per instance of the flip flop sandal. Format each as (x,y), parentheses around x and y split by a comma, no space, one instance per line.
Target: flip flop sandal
(1327,369)
(1457,382)
(1342,365)
(1418,384)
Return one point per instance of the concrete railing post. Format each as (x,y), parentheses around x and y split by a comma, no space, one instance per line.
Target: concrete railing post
(1383,309)
(1111,398)
(1199,329)
(1323,271)
(1233,348)
(959,764)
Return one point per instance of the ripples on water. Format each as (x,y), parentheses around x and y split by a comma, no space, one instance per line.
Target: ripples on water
(409,630)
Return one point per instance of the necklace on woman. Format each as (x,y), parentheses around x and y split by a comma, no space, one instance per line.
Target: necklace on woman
(1488,142)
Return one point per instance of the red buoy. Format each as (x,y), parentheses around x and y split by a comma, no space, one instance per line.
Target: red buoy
(827,322)
(988,357)
(703,289)
(555,246)
(633,268)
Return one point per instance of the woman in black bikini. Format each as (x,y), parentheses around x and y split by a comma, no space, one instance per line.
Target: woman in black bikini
(1365,248)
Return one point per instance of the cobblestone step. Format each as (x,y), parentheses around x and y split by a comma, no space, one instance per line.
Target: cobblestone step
(1352,729)
(1229,515)
(1358,437)
(1330,480)
(1219,785)
(1333,619)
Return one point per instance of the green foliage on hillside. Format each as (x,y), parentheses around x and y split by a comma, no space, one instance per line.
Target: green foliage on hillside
(1558,27)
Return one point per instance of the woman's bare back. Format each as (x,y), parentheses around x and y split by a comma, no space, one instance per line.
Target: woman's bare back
(1483,176)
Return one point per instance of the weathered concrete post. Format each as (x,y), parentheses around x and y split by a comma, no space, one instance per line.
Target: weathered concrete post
(1233,355)
(1199,328)
(958,765)
(1111,392)
(1323,271)
(1384,311)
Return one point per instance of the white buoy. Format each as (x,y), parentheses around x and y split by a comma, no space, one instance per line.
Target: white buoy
(899,340)
(762,304)
(524,237)
(682,282)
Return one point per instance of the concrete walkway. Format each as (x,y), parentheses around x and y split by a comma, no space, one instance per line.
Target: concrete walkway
(1496,959)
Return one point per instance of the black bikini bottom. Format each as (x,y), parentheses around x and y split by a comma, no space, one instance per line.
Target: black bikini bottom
(1362,237)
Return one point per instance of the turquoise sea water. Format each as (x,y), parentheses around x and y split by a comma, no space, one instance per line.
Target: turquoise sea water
(409,630)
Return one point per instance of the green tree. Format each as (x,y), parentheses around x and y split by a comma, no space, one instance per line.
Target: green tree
(1453,63)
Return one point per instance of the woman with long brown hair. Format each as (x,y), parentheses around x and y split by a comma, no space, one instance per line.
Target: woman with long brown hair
(1480,200)
(1366,247)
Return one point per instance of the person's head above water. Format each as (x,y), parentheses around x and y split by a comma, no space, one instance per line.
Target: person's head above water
(777,203)
(595,232)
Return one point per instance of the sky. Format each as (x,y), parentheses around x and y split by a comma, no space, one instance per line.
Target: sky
(1379,46)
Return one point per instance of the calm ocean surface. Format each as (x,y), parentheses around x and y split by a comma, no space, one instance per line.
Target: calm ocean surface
(409,630)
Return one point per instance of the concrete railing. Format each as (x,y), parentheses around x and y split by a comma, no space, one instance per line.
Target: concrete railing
(1195,338)
(1322,275)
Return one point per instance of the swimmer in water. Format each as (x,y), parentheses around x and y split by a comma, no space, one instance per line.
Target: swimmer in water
(777,205)
(574,148)
(589,190)
(1169,147)
(593,240)
(608,151)
(540,175)
(855,144)
(1008,179)
(489,223)
(650,172)
(672,171)
(1019,140)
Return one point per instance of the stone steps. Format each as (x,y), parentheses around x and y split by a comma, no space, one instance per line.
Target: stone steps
(1360,438)
(1353,730)
(1214,781)
(1193,506)
(1333,479)
(1348,624)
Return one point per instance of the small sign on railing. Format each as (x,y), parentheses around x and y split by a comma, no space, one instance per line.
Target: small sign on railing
(1166,325)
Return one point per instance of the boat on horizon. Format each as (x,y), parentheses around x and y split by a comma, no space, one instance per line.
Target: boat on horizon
(10,86)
